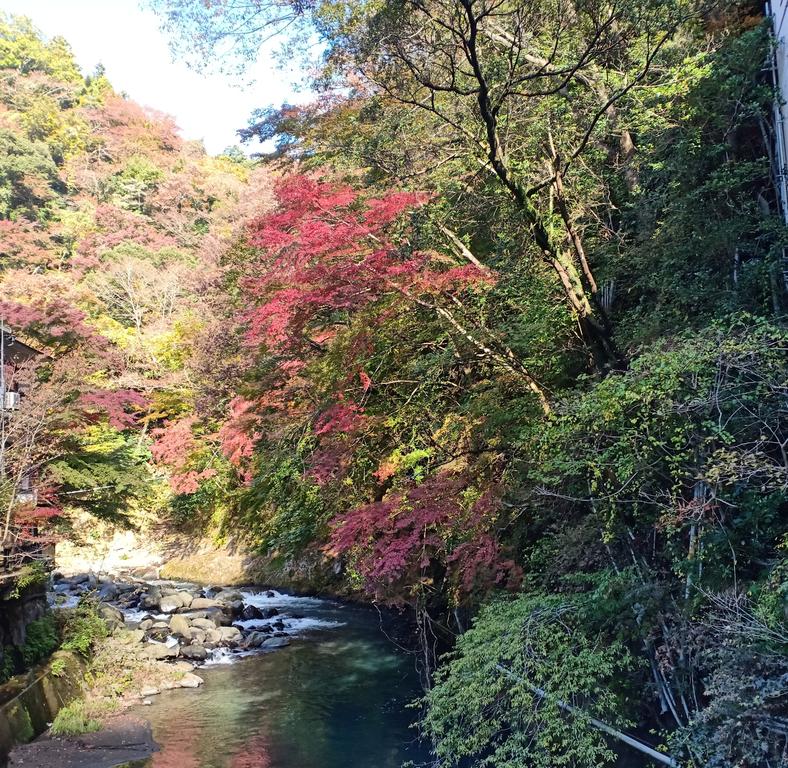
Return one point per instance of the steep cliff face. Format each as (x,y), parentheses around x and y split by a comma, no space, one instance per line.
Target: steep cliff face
(18,609)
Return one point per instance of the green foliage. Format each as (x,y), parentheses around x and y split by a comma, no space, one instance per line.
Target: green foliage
(282,510)
(105,472)
(700,408)
(72,720)
(129,188)
(23,49)
(32,574)
(28,176)
(704,228)
(81,627)
(58,667)
(41,638)
(7,663)
(498,699)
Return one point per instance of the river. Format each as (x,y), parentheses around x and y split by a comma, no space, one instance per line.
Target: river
(335,698)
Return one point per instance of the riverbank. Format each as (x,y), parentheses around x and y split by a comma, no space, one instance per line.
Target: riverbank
(161,635)
(123,739)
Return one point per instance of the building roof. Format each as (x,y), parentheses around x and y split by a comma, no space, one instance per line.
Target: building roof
(16,351)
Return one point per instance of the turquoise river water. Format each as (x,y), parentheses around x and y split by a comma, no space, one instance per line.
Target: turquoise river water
(335,698)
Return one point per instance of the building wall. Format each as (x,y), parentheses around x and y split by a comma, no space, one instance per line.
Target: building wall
(779,13)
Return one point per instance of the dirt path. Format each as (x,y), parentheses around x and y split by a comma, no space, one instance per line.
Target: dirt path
(123,739)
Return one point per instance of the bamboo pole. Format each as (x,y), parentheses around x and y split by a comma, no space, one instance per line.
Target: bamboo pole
(659,757)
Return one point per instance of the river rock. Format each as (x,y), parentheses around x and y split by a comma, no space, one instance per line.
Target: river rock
(133,636)
(197,636)
(170,603)
(251,612)
(199,603)
(190,614)
(186,598)
(161,651)
(111,615)
(195,651)
(204,624)
(219,617)
(190,680)
(146,624)
(213,636)
(151,599)
(108,591)
(274,642)
(149,691)
(254,639)
(180,625)
(230,635)
(230,597)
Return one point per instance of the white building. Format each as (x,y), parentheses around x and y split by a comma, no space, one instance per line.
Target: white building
(778,10)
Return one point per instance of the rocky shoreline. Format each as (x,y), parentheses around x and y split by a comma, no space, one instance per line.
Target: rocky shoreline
(160,632)
(174,621)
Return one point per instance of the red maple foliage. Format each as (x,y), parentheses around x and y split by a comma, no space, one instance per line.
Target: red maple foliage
(120,406)
(419,531)
(327,253)
(328,250)
(239,434)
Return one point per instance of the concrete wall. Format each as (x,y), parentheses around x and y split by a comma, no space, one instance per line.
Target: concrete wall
(28,703)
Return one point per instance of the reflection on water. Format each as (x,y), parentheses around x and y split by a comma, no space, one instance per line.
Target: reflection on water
(335,698)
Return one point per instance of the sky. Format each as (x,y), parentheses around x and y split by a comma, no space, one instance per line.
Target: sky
(128,42)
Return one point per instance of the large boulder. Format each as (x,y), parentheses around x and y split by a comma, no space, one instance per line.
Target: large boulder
(108,591)
(251,612)
(254,639)
(190,680)
(160,651)
(195,652)
(132,636)
(204,624)
(230,596)
(111,615)
(170,603)
(274,642)
(199,603)
(230,635)
(151,599)
(180,625)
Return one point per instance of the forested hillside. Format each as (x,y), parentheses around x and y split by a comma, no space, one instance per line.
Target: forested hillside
(111,234)
(496,334)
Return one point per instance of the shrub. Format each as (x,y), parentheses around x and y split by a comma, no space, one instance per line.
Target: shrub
(41,640)
(81,627)
(73,720)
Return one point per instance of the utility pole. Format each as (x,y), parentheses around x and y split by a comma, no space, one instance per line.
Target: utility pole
(2,399)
